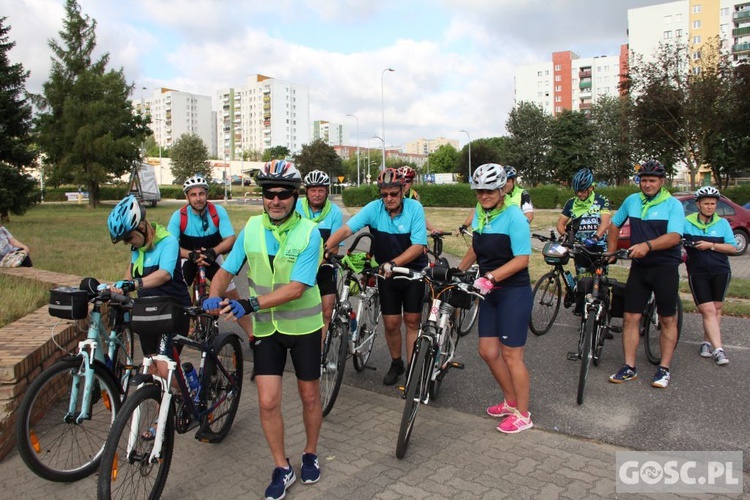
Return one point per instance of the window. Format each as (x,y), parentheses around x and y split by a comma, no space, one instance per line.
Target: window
(539,73)
(678,33)
(558,78)
(558,67)
(696,40)
(723,28)
(697,54)
(558,98)
(696,24)
(558,88)
(697,70)
(558,109)
(724,11)
(546,72)
(697,8)
(667,19)
(667,35)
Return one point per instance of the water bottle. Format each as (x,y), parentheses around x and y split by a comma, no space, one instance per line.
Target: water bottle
(192,379)
(570,280)
(353,322)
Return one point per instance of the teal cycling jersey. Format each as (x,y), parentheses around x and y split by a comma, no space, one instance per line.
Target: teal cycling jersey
(201,232)
(500,240)
(706,262)
(328,224)
(163,256)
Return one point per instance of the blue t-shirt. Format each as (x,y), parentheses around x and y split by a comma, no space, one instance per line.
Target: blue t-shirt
(393,235)
(506,236)
(665,217)
(706,262)
(164,256)
(589,218)
(305,270)
(195,236)
(329,225)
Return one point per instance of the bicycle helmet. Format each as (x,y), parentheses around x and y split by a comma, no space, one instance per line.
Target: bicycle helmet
(125,217)
(651,167)
(408,173)
(279,173)
(583,179)
(706,192)
(317,178)
(195,181)
(489,176)
(510,172)
(390,177)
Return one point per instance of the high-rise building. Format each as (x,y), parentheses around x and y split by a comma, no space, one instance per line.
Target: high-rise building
(333,134)
(569,82)
(266,112)
(174,113)
(427,146)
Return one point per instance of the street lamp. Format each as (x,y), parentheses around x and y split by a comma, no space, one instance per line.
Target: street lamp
(382,165)
(382,108)
(469,137)
(355,117)
(161,178)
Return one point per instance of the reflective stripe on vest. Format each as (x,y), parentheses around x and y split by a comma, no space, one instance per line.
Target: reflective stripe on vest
(300,316)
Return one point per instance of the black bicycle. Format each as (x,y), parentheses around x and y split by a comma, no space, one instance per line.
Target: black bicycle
(548,290)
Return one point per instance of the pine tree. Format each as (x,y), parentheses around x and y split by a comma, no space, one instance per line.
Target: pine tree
(17,190)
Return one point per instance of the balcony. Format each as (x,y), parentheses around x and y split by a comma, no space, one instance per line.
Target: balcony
(584,106)
(741,47)
(741,14)
(584,73)
(584,85)
(745,30)
(585,94)
(266,90)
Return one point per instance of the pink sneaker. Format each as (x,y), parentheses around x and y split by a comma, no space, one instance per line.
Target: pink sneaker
(501,410)
(515,423)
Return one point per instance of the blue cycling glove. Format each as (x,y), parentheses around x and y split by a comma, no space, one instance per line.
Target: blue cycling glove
(211,303)
(241,307)
(125,285)
(590,242)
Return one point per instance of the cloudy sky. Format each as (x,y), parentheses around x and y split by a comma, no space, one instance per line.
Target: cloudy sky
(454,59)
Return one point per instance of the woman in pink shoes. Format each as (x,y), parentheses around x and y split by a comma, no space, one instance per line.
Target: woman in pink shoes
(501,245)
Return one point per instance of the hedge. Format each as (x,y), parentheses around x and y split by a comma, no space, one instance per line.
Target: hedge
(118,192)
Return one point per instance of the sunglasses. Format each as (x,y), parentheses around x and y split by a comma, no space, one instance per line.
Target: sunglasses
(204,221)
(390,195)
(281,195)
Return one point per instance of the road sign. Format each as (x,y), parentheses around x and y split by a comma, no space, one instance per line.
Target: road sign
(341,178)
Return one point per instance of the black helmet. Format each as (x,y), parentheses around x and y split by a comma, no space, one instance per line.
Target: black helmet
(651,167)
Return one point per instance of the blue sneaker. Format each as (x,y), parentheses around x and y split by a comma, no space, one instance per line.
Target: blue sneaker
(661,378)
(310,470)
(626,373)
(282,478)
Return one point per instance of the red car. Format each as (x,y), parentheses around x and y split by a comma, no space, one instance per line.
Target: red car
(738,217)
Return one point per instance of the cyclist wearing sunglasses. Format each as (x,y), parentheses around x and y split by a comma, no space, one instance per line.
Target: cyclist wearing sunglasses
(318,208)
(400,234)
(205,233)
(283,251)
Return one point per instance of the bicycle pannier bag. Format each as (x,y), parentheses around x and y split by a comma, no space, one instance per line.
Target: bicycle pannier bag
(617,308)
(155,316)
(554,253)
(68,303)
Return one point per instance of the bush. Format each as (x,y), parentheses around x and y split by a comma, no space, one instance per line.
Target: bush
(617,194)
(446,195)
(547,196)
(359,196)
(738,194)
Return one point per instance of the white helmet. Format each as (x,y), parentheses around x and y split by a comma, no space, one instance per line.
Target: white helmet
(489,176)
(707,192)
(194,181)
(317,178)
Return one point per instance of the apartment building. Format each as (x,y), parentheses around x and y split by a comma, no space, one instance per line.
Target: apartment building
(174,113)
(263,113)
(334,134)
(568,81)
(427,146)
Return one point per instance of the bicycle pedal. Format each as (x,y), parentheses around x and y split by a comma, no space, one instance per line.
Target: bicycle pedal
(615,329)
(573,356)
(457,365)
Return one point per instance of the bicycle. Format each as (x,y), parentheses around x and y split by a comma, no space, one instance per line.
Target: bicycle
(434,349)
(548,289)
(65,415)
(650,326)
(341,339)
(597,311)
(138,451)
(466,317)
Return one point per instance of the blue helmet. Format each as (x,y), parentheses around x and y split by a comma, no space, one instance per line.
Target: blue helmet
(583,180)
(125,217)
(510,172)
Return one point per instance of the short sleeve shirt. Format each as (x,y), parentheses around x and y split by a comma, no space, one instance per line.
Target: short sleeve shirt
(194,231)
(590,218)
(700,262)
(329,225)
(506,236)
(5,246)
(164,256)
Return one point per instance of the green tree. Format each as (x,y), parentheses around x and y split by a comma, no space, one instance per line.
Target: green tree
(611,157)
(318,155)
(189,158)
(17,190)
(485,150)
(444,159)
(86,127)
(528,149)
(570,144)
(275,153)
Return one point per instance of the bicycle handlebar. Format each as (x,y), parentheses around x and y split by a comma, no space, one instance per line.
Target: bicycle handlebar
(439,234)
(410,274)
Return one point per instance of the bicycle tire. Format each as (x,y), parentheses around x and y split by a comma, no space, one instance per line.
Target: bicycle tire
(467,318)
(334,363)
(586,356)
(131,476)
(216,425)
(546,303)
(600,335)
(442,359)
(368,326)
(52,448)
(651,330)
(414,394)
(122,368)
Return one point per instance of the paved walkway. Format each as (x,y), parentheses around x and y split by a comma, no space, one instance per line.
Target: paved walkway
(451,455)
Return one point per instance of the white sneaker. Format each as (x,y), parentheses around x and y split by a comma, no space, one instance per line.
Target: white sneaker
(720,356)
(705,350)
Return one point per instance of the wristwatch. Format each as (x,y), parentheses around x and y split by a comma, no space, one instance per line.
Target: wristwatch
(648,244)
(254,303)
(490,277)
(713,246)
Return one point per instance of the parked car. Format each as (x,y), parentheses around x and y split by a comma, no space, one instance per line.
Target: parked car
(738,217)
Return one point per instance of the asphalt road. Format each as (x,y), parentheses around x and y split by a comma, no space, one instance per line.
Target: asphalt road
(704,408)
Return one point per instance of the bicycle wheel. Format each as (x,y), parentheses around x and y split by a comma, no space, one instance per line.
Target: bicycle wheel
(586,355)
(414,393)
(52,444)
(600,335)
(131,474)
(546,303)
(218,388)
(124,351)
(651,330)
(467,318)
(368,326)
(334,363)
